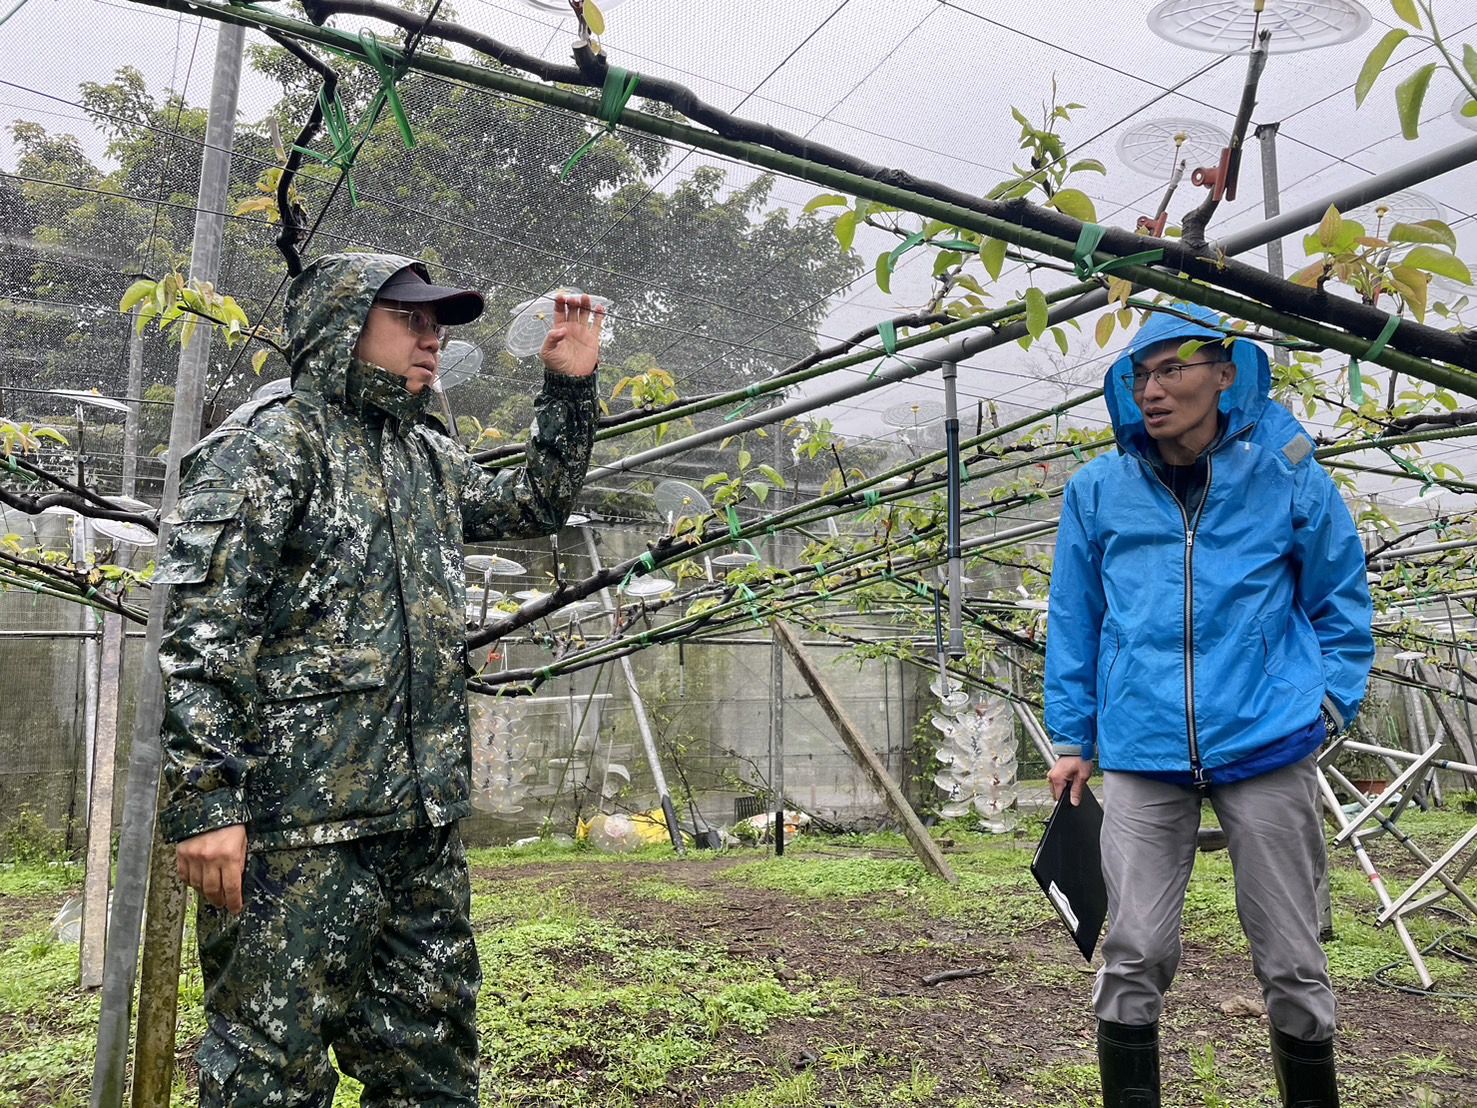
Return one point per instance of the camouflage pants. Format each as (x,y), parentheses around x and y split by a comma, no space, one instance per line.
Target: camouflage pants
(365,947)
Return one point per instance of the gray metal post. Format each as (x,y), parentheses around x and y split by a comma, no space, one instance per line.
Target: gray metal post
(638,709)
(1266,134)
(135,846)
(955,497)
(777,738)
(134,396)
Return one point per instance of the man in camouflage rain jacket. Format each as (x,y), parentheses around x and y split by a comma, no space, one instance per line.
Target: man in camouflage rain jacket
(316,737)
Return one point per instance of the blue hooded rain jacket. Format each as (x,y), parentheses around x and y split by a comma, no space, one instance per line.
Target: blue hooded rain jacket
(1180,644)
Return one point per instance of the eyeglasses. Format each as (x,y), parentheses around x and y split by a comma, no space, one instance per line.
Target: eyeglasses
(420,321)
(1138,380)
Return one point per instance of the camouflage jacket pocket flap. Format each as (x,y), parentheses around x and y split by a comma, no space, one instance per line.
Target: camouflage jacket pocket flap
(197,522)
(207,506)
(320,670)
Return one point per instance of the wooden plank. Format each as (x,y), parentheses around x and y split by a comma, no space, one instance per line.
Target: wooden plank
(100,806)
(927,850)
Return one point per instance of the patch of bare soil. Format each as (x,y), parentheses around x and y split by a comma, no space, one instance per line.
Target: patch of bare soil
(1010,1033)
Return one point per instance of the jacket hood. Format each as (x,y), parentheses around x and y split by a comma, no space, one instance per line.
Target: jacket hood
(327,305)
(1242,404)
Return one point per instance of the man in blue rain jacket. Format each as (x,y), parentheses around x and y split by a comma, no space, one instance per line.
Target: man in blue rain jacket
(1209,627)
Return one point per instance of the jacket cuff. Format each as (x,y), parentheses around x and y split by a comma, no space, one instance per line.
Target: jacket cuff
(194,813)
(1086,751)
(566,387)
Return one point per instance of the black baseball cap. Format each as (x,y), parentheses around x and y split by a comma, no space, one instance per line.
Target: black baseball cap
(453,306)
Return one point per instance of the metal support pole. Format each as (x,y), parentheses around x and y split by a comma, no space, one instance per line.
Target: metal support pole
(1266,133)
(100,806)
(777,736)
(956,563)
(135,405)
(135,847)
(638,708)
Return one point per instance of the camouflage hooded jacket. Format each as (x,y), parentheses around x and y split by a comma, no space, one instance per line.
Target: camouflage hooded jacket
(314,652)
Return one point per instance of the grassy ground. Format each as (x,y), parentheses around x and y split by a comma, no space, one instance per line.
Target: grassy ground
(747,981)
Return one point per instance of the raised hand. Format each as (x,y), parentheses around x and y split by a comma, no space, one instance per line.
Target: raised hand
(573,345)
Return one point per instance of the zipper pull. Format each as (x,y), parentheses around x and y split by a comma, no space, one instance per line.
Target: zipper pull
(1190,538)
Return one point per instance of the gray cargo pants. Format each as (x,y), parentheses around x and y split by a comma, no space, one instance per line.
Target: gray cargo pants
(1274,832)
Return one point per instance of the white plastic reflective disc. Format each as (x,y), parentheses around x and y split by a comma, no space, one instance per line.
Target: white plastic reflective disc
(534,319)
(647,586)
(133,534)
(460,361)
(1149,146)
(735,559)
(91,399)
(491,563)
(526,595)
(580,609)
(1227,26)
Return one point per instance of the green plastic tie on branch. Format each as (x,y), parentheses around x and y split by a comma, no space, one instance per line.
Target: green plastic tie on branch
(644,564)
(752,392)
(336,125)
(1087,243)
(735,530)
(619,87)
(870,497)
(1356,380)
(752,603)
(389,76)
(887,332)
(820,577)
(1077,453)
(336,120)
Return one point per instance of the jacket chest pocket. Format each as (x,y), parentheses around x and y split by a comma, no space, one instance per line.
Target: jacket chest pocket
(320,671)
(196,525)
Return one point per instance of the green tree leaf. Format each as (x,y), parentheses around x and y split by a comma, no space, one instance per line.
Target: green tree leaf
(1375,64)
(1406,10)
(1439,262)
(992,254)
(1035,312)
(1075,203)
(1104,330)
(845,228)
(1088,165)
(1427,230)
(824,200)
(1061,340)
(1328,227)
(594,18)
(773,475)
(1409,95)
(884,271)
(136,292)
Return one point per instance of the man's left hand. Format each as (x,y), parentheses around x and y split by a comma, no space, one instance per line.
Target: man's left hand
(573,346)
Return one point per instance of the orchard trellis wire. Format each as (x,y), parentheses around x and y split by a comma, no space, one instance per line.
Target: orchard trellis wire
(724,223)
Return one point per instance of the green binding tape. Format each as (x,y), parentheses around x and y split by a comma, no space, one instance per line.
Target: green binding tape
(389,76)
(887,332)
(1087,243)
(1356,379)
(735,531)
(617,91)
(752,392)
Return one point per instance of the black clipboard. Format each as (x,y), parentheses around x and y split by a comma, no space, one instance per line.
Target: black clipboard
(1069,868)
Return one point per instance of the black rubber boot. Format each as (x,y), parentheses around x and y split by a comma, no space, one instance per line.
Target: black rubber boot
(1305,1072)
(1128,1060)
